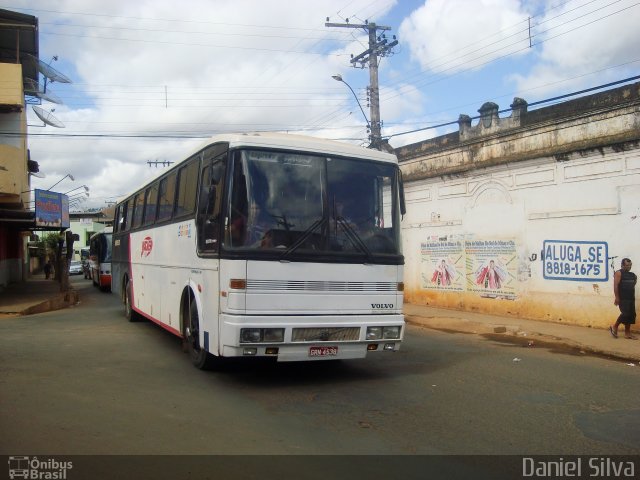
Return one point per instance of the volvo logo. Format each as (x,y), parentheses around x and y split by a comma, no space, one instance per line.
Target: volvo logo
(382,305)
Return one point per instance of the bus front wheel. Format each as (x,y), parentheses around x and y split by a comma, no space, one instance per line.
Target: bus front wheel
(191,333)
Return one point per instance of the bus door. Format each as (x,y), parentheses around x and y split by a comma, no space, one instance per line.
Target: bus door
(209,227)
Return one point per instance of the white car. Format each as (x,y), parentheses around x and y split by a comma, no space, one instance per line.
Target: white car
(75,268)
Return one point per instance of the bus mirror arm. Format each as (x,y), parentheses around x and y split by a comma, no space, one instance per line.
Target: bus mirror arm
(403,206)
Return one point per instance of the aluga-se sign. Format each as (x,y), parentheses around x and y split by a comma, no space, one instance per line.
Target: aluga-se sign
(577,261)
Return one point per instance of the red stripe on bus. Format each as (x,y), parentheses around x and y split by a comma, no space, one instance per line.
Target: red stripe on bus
(158,322)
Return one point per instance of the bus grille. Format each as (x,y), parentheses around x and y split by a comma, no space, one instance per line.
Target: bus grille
(335,334)
(320,286)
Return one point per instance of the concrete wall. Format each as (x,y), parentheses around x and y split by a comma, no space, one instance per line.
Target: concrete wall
(548,200)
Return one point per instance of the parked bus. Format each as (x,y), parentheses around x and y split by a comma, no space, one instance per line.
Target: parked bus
(267,245)
(100,259)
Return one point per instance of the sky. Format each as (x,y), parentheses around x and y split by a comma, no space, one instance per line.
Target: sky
(152,79)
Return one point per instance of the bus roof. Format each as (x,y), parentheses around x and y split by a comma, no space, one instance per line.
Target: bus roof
(283,141)
(301,142)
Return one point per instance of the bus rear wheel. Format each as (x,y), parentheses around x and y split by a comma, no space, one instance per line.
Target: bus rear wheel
(191,333)
(129,312)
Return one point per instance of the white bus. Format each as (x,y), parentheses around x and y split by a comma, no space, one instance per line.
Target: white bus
(267,245)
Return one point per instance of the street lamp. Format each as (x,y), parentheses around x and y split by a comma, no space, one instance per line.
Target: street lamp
(337,77)
(86,189)
(67,175)
(80,194)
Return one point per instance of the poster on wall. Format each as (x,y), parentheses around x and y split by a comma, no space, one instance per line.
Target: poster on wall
(491,267)
(442,266)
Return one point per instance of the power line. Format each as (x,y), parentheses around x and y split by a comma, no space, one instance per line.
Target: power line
(474,65)
(168,20)
(204,45)
(190,32)
(539,102)
(517,93)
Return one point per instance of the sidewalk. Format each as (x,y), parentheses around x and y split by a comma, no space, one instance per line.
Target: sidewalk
(38,295)
(529,333)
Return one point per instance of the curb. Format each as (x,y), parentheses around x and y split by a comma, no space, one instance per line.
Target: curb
(513,334)
(63,300)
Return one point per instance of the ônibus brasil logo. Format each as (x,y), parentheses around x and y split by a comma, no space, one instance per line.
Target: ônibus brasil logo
(147,246)
(34,468)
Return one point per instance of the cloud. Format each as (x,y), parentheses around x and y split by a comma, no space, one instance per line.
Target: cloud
(572,44)
(449,36)
(146,68)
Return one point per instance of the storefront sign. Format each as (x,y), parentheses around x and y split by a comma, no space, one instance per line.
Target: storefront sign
(52,209)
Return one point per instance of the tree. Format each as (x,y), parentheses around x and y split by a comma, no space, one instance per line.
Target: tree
(51,245)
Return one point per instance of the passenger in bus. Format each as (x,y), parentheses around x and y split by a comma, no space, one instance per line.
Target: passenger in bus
(259,227)
(254,231)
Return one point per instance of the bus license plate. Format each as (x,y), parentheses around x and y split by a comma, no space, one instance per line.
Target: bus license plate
(323,351)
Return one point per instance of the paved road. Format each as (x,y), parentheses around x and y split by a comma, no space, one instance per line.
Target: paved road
(85,381)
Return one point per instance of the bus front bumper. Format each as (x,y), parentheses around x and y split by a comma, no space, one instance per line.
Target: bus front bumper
(323,337)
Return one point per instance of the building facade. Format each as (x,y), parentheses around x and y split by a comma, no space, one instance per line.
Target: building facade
(85,224)
(18,39)
(528,215)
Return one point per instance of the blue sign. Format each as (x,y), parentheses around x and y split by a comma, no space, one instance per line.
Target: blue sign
(52,209)
(575,261)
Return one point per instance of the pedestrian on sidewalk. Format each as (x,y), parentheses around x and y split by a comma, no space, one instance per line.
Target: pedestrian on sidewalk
(624,289)
(47,270)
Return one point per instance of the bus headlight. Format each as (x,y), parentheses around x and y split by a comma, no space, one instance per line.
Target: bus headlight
(374,333)
(260,335)
(273,335)
(250,335)
(387,333)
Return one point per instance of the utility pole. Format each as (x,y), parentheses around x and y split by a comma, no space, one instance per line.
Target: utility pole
(156,162)
(378,47)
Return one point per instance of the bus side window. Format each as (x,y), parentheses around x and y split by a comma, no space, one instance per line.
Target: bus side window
(151,200)
(166,196)
(138,210)
(127,216)
(187,181)
(117,219)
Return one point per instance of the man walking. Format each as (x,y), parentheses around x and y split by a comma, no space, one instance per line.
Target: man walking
(624,289)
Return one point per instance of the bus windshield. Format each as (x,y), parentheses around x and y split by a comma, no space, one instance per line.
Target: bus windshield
(287,205)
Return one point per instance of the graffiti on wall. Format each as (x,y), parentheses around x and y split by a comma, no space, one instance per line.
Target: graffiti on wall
(576,261)
(488,267)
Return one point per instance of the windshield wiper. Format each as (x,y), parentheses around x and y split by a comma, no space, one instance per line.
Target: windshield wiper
(354,237)
(303,238)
